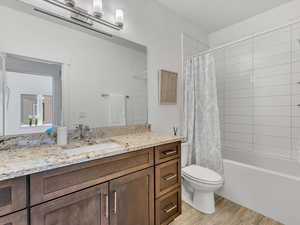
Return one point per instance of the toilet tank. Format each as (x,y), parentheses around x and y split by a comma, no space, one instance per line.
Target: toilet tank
(184,154)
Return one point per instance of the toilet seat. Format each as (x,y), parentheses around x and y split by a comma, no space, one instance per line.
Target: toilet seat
(202,175)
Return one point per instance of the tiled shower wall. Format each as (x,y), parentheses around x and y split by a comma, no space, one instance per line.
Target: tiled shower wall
(258,94)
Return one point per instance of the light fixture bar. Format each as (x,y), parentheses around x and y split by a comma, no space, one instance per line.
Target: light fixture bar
(45,12)
(81,13)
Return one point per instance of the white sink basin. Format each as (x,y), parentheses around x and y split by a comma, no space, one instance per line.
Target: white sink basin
(91,148)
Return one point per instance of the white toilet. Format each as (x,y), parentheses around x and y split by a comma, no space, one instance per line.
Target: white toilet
(199,184)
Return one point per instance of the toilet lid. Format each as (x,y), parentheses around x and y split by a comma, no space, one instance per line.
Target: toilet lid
(202,174)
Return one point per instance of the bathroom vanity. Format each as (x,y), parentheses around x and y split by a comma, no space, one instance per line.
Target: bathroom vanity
(136,184)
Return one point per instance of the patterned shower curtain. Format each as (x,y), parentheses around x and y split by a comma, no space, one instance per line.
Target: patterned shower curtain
(201,125)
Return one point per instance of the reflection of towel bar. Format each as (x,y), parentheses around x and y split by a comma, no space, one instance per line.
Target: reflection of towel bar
(107,95)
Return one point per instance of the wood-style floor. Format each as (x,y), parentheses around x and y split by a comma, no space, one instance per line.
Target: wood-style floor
(227,213)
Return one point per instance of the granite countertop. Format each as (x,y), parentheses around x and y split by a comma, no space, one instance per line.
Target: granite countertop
(30,160)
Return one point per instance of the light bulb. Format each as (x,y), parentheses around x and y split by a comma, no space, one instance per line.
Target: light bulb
(119,17)
(98,8)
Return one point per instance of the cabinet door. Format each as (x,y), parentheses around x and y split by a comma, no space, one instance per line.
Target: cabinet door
(18,218)
(87,207)
(132,199)
(12,195)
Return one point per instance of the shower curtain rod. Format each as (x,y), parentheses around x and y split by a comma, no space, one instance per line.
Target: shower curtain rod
(245,38)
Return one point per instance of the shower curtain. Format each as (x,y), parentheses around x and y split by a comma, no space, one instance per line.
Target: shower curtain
(201,125)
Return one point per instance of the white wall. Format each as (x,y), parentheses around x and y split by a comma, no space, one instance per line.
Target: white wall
(147,23)
(278,16)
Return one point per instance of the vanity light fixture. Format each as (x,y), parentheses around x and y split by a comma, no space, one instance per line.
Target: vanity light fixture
(70,3)
(80,15)
(119,18)
(98,8)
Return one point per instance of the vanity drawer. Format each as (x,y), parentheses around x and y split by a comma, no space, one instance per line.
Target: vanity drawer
(168,177)
(168,207)
(164,153)
(12,195)
(18,218)
(52,184)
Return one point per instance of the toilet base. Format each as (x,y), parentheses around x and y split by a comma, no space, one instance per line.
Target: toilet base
(204,201)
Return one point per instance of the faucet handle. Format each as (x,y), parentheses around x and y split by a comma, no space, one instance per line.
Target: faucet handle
(87,128)
(79,126)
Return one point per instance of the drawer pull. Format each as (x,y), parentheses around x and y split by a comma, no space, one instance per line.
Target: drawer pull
(170,152)
(170,209)
(115,202)
(106,206)
(170,177)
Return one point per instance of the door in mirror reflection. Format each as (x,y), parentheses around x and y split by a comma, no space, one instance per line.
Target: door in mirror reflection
(36,110)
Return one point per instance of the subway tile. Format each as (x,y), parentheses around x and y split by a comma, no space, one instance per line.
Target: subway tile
(296,121)
(296,132)
(272,80)
(273,60)
(295,78)
(272,111)
(239,102)
(238,146)
(243,83)
(238,128)
(280,121)
(275,131)
(270,141)
(275,151)
(272,91)
(295,89)
(272,71)
(238,67)
(272,101)
(265,51)
(243,120)
(247,138)
(242,93)
(238,75)
(237,110)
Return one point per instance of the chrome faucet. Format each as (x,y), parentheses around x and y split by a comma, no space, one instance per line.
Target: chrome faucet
(83,130)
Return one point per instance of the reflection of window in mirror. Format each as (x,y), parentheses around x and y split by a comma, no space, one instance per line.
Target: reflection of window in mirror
(33,93)
(36,110)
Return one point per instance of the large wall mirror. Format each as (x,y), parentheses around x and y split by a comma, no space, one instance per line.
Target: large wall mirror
(101,87)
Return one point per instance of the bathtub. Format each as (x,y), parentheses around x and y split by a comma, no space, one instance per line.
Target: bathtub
(264,184)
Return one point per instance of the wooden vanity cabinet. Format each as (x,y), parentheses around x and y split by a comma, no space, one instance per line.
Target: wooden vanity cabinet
(86,207)
(132,199)
(167,183)
(12,195)
(136,188)
(52,184)
(18,218)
